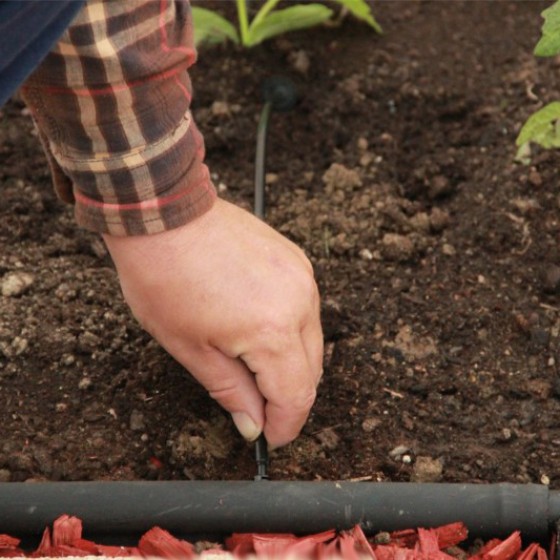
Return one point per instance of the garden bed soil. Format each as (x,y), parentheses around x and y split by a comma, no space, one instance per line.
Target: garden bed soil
(436,255)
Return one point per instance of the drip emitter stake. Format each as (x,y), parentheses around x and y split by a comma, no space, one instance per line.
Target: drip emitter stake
(261,455)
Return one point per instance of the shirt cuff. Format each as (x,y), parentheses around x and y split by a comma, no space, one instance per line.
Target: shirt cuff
(112,104)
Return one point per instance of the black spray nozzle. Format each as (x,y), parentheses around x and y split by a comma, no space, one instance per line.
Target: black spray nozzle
(280,92)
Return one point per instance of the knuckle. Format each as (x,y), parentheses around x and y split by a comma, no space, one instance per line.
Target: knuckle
(304,401)
(307,263)
(277,324)
(224,394)
(285,315)
(307,279)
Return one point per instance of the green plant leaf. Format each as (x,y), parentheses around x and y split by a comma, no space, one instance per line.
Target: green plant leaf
(542,127)
(210,27)
(288,19)
(361,10)
(523,155)
(549,43)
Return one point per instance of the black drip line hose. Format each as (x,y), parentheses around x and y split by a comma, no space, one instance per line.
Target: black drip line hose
(280,95)
(122,511)
(260,161)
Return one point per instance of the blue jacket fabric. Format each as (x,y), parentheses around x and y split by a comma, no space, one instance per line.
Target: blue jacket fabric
(28,31)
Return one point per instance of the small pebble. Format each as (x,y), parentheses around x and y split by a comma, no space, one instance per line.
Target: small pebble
(65,293)
(398,451)
(366,159)
(448,250)
(85,383)
(366,255)
(525,205)
(16,283)
(337,176)
(362,144)
(427,469)
(328,438)
(5,475)
(137,423)
(421,222)
(19,345)
(439,219)
(396,247)
(545,479)
(506,434)
(68,359)
(88,342)
(220,109)
(300,61)
(370,424)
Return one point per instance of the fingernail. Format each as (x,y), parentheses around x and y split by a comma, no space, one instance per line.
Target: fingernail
(247,428)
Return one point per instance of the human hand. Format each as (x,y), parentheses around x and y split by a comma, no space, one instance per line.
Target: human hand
(236,304)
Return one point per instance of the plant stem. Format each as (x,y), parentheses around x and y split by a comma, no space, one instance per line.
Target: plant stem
(243,22)
(269,5)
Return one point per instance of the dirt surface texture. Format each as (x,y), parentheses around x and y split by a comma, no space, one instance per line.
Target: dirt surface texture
(436,254)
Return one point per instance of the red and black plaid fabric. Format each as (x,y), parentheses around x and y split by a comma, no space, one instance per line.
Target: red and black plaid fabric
(111,102)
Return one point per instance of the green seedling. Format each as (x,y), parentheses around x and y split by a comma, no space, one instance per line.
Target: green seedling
(543,126)
(211,27)
(549,43)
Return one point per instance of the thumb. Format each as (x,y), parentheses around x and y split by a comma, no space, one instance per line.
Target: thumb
(246,426)
(233,386)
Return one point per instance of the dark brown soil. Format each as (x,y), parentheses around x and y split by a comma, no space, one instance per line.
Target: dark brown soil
(437,257)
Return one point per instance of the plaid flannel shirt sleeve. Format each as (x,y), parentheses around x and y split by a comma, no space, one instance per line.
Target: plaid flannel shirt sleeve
(112,105)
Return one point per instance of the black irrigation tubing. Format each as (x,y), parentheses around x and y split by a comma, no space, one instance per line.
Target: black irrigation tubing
(280,94)
(121,512)
(113,511)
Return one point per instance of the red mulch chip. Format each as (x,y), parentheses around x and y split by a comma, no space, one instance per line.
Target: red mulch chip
(411,544)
